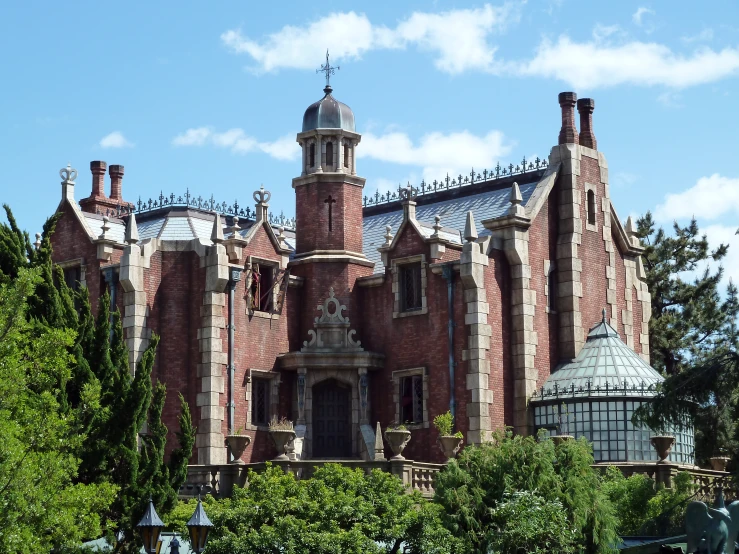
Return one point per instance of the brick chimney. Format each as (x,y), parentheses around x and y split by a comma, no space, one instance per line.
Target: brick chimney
(98,179)
(116,179)
(587,138)
(568,133)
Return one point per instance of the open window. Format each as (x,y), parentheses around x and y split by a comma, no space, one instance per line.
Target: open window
(410,397)
(261,287)
(410,282)
(346,155)
(312,155)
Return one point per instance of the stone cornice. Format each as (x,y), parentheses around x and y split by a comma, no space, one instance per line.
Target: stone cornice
(329,177)
(332,360)
(331,256)
(328,132)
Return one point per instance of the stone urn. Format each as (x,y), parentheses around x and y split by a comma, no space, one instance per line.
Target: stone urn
(237,444)
(719,463)
(282,438)
(450,445)
(559,439)
(662,444)
(397,439)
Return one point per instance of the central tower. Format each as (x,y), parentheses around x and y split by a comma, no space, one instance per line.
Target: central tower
(328,200)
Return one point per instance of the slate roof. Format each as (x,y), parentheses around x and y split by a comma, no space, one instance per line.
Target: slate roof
(95,223)
(453,212)
(603,360)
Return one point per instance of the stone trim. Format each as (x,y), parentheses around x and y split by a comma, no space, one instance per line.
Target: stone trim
(395,265)
(274,395)
(594,188)
(549,267)
(397,375)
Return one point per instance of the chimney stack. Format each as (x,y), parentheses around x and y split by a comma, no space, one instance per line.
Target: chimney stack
(116,179)
(587,138)
(568,133)
(98,178)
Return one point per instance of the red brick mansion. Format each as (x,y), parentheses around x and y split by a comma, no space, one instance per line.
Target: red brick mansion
(463,295)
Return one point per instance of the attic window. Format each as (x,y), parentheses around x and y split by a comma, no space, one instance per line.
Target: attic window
(591,207)
(329,153)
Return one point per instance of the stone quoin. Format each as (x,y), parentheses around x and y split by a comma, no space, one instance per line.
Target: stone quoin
(364,311)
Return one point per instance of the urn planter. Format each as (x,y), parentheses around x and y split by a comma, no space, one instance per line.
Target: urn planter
(397,439)
(662,444)
(559,439)
(237,444)
(719,463)
(450,445)
(282,439)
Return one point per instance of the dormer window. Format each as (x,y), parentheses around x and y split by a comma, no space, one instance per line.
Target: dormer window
(312,155)
(330,154)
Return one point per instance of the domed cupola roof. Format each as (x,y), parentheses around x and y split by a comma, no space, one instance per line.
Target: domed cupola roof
(604,366)
(328,113)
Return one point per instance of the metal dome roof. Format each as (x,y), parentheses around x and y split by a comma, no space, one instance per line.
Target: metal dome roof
(328,113)
(604,367)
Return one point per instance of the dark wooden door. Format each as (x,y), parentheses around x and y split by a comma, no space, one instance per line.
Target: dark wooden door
(332,420)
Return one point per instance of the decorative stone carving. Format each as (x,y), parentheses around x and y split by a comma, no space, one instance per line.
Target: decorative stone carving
(301,395)
(237,444)
(398,439)
(363,393)
(663,444)
(332,330)
(449,445)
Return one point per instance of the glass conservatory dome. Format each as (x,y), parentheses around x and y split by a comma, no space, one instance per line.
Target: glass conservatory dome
(595,395)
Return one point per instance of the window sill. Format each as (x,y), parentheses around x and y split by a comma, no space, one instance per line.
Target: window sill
(410,313)
(264,315)
(251,427)
(591,227)
(417,426)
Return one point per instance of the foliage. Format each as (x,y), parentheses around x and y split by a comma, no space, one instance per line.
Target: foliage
(644,508)
(483,479)
(282,424)
(337,510)
(690,335)
(41,507)
(444,423)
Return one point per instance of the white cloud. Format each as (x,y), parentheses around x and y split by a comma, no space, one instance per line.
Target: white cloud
(457,38)
(710,198)
(704,36)
(115,140)
(639,14)
(437,153)
(236,140)
(670,99)
(591,65)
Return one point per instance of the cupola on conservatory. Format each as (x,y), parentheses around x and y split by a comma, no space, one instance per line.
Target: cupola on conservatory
(595,395)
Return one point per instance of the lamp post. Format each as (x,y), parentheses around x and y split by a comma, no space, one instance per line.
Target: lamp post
(199,528)
(150,527)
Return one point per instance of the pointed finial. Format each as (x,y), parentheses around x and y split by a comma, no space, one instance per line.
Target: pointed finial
(106,228)
(388,235)
(470,231)
(217,235)
(328,70)
(379,448)
(630,230)
(281,238)
(516,199)
(235,226)
(37,244)
(132,230)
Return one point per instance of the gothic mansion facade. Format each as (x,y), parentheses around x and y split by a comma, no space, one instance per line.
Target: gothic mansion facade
(462,295)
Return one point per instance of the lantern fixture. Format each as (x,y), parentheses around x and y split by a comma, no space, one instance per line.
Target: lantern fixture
(199,528)
(150,527)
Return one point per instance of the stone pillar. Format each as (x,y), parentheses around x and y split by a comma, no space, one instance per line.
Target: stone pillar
(473,261)
(569,264)
(210,440)
(135,310)
(363,396)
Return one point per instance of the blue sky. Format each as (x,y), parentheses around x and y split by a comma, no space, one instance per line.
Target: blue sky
(211,97)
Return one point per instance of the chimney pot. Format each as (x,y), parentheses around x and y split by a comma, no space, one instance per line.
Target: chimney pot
(587,138)
(568,132)
(98,178)
(116,182)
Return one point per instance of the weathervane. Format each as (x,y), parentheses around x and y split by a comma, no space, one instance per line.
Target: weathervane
(328,70)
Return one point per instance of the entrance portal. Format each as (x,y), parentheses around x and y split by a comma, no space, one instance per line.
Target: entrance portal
(332,420)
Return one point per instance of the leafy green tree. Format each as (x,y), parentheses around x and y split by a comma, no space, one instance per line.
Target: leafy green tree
(480,487)
(645,508)
(41,506)
(337,510)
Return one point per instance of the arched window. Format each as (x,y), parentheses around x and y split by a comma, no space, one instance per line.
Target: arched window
(329,153)
(346,155)
(591,207)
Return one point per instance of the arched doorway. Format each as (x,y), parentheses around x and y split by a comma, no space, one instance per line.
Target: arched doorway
(332,420)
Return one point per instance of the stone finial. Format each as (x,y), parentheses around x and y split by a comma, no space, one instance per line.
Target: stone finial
(106,228)
(470,231)
(516,200)
(235,228)
(631,231)
(604,315)
(262,198)
(437,226)
(281,238)
(379,447)
(408,197)
(388,235)
(217,234)
(132,230)
(568,132)
(586,106)
(68,175)
(37,244)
